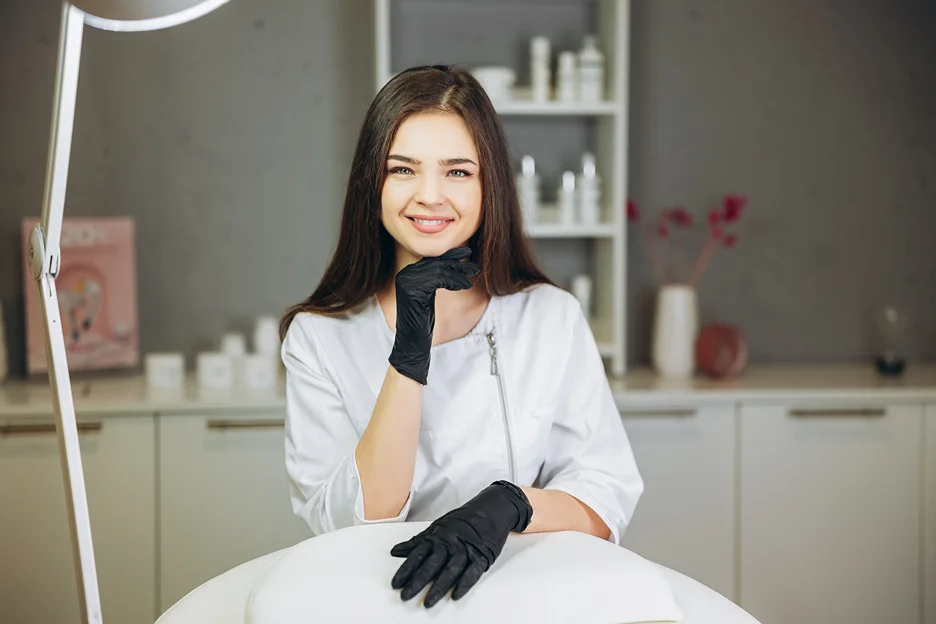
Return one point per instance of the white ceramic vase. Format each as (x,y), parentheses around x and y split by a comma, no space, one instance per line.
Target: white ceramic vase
(675,327)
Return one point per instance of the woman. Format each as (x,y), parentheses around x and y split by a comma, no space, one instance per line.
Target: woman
(513,427)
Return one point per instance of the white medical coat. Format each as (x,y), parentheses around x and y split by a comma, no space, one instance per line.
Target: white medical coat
(522,397)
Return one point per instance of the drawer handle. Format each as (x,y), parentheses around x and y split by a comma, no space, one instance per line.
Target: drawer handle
(839,413)
(246,424)
(676,413)
(28,428)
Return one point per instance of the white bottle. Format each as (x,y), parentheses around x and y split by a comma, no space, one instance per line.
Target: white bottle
(582,290)
(266,339)
(589,190)
(567,77)
(566,199)
(539,69)
(528,189)
(591,71)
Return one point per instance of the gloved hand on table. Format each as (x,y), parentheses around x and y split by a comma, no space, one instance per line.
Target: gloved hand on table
(455,550)
(416,286)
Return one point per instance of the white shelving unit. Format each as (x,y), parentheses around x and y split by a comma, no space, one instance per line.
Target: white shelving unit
(607,140)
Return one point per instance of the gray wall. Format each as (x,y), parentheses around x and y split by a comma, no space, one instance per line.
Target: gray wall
(824,114)
(228,140)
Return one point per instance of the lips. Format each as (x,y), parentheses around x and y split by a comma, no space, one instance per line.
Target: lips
(430,225)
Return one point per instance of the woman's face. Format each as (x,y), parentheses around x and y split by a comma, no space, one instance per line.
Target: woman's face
(431,199)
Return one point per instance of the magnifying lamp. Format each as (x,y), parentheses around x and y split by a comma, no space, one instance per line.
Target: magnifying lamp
(45,256)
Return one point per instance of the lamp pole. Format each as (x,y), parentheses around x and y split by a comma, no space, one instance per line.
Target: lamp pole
(44,255)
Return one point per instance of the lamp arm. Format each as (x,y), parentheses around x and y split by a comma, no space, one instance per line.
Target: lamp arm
(44,263)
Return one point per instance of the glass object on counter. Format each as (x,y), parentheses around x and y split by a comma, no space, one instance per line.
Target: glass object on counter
(891,322)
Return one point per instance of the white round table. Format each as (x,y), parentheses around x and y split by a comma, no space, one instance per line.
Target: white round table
(223,599)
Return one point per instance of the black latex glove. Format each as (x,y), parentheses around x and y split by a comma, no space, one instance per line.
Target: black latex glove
(416,286)
(455,550)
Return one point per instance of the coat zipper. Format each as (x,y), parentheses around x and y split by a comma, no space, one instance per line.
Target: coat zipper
(503,402)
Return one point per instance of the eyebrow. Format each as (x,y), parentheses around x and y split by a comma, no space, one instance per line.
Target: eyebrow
(447,162)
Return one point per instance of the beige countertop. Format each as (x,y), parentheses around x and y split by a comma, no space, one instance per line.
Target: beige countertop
(638,390)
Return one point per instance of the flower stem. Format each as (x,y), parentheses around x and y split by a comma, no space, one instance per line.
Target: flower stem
(704,258)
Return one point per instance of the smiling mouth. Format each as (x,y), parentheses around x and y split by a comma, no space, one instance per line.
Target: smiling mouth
(429,226)
(429,221)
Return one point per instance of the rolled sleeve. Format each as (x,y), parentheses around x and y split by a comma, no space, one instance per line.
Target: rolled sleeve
(589,455)
(359,505)
(320,441)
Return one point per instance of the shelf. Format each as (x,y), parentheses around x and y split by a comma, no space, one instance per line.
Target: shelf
(548,226)
(529,107)
(557,230)
(554,129)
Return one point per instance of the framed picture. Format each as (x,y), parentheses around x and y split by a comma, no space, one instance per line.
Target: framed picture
(97,295)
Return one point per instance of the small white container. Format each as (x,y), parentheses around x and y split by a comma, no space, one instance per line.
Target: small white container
(539,69)
(566,199)
(589,191)
(591,69)
(582,290)
(233,344)
(165,371)
(259,372)
(266,340)
(215,370)
(498,82)
(567,77)
(528,189)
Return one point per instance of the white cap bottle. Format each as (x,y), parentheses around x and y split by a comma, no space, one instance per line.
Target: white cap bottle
(567,77)
(528,189)
(591,71)
(566,199)
(589,191)
(539,69)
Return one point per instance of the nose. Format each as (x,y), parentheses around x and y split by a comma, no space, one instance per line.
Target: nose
(430,191)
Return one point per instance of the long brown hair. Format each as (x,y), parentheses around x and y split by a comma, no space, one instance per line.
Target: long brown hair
(364,260)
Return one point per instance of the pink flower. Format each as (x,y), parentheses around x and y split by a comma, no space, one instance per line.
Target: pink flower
(663,231)
(633,212)
(714,218)
(733,205)
(716,233)
(730,240)
(680,217)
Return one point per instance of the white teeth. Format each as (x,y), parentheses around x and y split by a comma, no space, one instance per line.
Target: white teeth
(427,222)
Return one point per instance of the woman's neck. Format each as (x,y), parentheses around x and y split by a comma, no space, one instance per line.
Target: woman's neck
(456,311)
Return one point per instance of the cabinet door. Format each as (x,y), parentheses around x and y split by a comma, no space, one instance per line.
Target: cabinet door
(929,533)
(685,519)
(830,514)
(37,575)
(224,498)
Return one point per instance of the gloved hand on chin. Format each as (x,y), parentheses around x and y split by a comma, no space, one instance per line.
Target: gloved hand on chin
(455,550)
(416,286)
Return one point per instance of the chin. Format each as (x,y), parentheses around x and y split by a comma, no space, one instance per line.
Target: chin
(432,247)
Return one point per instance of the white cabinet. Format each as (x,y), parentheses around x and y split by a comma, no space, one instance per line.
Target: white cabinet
(37,575)
(685,519)
(224,497)
(929,532)
(830,513)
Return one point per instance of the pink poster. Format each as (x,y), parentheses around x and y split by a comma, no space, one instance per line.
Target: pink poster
(96,288)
